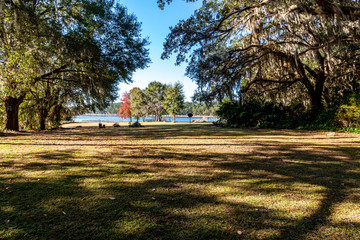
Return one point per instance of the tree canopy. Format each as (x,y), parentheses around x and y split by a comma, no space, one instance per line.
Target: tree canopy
(155,93)
(83,47)
(303,52)
(138,103)
(174,99)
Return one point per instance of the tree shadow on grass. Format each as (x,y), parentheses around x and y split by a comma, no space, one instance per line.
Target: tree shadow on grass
(167,196)
(338,177)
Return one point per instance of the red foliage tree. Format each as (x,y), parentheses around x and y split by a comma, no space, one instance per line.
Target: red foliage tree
(125,108)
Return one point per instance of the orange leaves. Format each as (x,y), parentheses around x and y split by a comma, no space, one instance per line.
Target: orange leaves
(125,108)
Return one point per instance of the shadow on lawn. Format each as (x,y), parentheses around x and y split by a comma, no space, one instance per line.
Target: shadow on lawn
(103,202)
(334,175)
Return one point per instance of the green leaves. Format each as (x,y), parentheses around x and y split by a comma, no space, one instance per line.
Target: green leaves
(174,99)
(75,52)
(290,52)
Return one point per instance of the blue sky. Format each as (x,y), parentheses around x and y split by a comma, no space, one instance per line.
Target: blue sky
(155,26)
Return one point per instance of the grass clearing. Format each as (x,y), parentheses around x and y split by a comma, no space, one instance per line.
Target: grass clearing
(179,181)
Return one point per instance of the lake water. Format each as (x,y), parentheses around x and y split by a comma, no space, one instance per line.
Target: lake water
(107,118)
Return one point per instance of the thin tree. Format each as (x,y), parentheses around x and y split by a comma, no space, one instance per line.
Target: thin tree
(125,107)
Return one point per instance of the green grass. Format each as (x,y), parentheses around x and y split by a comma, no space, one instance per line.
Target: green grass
(179,181)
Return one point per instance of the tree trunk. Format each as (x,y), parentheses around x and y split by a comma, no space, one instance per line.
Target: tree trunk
(12,112)
(316,104)
(43,115)
(57,110)
(315,94)
(174,118)
(316,97)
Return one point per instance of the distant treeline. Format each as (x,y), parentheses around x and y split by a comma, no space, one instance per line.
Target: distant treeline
(189,107)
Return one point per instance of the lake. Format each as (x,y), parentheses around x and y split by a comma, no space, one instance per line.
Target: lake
(114,118)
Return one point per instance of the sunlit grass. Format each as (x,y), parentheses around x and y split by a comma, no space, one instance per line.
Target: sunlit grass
(179,181)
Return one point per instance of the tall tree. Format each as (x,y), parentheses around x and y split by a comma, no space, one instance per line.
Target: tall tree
(90,44)
(154,93)
(276,49)
(174,97)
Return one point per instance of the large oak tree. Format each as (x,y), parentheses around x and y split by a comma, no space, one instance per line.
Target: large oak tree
(285,50)
(86,46)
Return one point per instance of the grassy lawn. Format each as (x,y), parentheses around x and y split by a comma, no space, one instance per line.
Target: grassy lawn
(179,181)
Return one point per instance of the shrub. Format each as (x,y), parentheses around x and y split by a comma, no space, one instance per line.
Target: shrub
(271,115)
(348,115)
(258,114)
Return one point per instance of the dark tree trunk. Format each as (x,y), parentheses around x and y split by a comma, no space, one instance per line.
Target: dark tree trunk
(316,89)
(43,115)
(12,112)
(315,93)
(57,110)
(174,118)
(316,96)
(316,104)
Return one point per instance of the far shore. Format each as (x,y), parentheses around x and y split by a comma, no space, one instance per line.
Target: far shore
(123,124)
(114,115)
